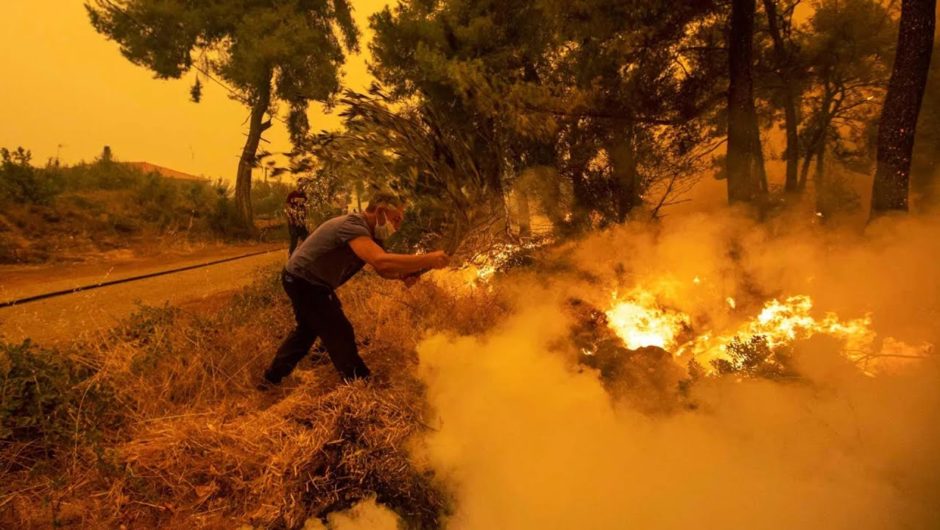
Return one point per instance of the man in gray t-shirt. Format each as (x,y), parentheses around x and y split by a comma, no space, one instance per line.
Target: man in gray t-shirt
(325,257)
(336,251)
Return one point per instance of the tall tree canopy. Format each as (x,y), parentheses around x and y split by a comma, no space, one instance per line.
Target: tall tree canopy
(847,48)
(608,94)
(266,50)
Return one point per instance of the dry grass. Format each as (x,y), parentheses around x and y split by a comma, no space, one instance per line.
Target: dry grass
(190,442)
(309,454)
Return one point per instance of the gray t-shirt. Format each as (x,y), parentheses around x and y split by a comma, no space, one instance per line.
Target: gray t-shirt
(325,257)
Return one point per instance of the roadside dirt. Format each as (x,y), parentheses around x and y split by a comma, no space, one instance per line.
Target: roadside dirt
(19,281)
(85,313)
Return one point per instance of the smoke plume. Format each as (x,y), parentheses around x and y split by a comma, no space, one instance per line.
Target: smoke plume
(528,439)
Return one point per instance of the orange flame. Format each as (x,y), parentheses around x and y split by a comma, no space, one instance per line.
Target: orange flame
(783,322)
(639,321)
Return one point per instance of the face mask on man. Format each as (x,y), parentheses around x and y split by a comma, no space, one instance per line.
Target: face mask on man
(385,230)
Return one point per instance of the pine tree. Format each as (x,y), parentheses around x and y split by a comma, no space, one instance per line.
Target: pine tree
(264,50)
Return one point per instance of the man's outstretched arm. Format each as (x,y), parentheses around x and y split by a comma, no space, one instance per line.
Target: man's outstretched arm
(395,266)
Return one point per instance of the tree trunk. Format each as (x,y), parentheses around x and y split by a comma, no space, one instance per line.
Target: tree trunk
(791,119)
(744,160)
(925,164)
(804,173)
(522,212)
(793,138)
(584,201)
(822,192)
(759,158)
(622,152)
(256,126)
(902,105)
(817,143)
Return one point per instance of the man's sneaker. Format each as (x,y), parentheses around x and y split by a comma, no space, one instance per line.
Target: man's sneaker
(266,384)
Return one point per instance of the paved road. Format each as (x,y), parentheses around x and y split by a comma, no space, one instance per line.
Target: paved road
(67,317)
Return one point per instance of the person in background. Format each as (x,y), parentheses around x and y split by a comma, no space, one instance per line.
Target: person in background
(336,251)
(296,212)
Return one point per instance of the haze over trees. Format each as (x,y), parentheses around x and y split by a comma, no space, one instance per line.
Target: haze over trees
(586,330)
(487,112)
(267,52)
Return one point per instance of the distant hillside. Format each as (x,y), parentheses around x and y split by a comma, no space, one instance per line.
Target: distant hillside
(67,213)
(147,167)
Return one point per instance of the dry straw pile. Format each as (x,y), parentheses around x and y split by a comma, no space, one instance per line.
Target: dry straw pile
(158,423)
(306,455)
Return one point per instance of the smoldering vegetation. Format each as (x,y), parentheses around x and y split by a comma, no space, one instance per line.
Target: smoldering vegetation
(833,427)
(705,371)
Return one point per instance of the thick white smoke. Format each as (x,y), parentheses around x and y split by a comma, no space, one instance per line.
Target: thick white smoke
(530,441)
(366,515)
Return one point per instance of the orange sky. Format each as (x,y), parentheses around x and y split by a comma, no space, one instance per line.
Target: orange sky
(66,89)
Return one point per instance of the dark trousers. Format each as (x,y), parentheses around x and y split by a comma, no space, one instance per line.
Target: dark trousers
(297,235)
(319,314)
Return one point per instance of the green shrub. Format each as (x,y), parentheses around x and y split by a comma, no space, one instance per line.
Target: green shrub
(160,199)
(48,401)
(147,328)
(755,357)
(21,182)
(223,218)
(268,198)
(102,174)
(200,198)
